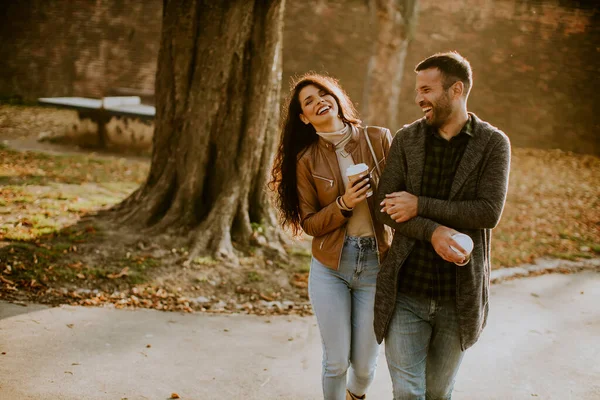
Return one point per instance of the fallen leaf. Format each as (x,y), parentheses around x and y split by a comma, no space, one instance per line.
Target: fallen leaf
(265,297)
(300,284)
(81,276)
(70,325)
(3,279)
(124,272)
(76,265)
(175,396)
(300,280)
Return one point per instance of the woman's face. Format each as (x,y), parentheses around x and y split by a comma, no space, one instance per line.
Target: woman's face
(318,106)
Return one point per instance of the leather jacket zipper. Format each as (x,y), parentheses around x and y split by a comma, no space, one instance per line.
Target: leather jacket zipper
(324,179)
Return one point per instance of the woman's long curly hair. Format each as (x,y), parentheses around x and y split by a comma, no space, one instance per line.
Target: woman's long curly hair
(295,138)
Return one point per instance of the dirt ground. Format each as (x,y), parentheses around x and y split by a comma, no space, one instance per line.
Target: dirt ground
(54,247)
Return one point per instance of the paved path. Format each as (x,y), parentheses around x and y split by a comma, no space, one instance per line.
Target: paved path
(542,342)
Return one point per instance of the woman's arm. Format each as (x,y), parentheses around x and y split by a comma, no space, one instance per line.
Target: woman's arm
(316,221)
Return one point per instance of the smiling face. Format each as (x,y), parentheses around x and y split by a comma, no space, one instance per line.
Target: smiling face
(319,108)
(435,101)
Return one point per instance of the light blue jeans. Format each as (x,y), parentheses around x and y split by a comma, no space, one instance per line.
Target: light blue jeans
(343,304)
(422,348)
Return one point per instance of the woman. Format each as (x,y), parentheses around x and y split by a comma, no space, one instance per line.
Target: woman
(321,137)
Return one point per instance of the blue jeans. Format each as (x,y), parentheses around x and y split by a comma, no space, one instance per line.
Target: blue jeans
(343,304)
(422,347)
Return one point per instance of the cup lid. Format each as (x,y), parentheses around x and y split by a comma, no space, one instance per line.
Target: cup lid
(464,241)
(356,169)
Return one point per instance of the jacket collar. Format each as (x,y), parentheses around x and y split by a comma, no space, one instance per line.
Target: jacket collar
(415,152)
(473,154)
(350,146)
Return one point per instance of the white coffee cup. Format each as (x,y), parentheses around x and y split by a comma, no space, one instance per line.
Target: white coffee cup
(355,172)
(466,243)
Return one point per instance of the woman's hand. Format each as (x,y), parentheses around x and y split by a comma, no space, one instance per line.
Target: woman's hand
(356,192)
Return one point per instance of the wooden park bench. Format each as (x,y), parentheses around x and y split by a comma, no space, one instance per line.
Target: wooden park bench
(102,110)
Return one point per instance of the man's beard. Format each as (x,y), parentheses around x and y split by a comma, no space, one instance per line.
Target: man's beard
(440,112)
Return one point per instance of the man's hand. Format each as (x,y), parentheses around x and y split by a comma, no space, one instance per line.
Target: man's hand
(401,206)
(442,240)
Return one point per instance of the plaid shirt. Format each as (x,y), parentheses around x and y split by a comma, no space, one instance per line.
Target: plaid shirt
(424,272)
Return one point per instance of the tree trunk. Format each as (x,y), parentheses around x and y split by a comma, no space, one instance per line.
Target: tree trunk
(217,110)
(393,22)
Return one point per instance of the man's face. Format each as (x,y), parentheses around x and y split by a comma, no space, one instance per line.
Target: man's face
(435,102)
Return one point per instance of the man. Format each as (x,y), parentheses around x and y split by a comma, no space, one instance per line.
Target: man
(446,173)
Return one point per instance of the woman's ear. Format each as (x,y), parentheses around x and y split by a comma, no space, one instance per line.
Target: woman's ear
(304,119)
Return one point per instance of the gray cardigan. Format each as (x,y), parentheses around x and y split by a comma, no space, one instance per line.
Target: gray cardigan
(475,205)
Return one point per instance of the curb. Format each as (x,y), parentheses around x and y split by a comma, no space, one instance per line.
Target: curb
(543,266)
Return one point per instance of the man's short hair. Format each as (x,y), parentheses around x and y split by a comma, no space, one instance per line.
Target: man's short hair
(453,67)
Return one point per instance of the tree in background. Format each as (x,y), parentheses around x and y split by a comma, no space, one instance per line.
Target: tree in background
(393,21)
(217,110)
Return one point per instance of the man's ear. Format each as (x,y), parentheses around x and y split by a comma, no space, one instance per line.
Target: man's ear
(458,89)
(304,119)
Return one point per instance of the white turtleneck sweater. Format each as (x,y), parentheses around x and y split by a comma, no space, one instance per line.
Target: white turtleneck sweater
(360,224)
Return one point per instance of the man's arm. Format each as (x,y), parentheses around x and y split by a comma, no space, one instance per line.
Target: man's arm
(483,212)
(393,180)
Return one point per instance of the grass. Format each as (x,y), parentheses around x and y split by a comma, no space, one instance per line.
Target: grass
(303,268)
(28,168)
(61,257)
(298,252)
(40,193)
(552,210)
(254,276)
(206,261)
(43,197)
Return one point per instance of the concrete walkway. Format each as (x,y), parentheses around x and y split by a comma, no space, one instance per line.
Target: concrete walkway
(542,342)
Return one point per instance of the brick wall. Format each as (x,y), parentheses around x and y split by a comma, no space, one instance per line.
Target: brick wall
(77,47)
(535,62)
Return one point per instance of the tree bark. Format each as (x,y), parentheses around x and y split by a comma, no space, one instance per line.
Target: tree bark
(217,110)
(393,21)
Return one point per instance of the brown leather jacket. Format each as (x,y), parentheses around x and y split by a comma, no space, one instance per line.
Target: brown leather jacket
(320,183)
